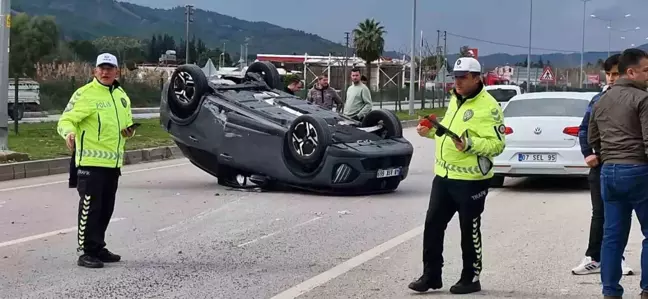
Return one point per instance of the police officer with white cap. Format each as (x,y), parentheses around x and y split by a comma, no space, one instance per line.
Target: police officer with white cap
(96,124)
(469,136)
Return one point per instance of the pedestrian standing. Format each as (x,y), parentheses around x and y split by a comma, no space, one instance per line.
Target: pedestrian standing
(358,98)
(95,124)
(463,172)
(618,132)
(592,261)
(294,85)
(323,95)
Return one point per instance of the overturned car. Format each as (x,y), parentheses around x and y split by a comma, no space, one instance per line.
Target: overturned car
(245,129)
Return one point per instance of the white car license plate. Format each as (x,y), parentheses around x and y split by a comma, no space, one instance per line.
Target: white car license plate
(390,172)
(537,157)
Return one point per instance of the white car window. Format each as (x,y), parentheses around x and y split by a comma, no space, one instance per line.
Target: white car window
(546,107)
(502,95)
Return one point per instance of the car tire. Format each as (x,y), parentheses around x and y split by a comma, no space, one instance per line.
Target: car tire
(269,73)
(188,84)
(308,138)
(392,127)
(497,181)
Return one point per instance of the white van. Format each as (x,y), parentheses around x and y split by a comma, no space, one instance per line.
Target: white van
(503,93)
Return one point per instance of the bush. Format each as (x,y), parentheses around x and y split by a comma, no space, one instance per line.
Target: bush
(59,81)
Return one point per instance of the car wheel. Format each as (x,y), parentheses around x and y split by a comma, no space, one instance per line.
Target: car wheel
(308,137)
(187,86)
(269,73)
(497,181)
(391,125)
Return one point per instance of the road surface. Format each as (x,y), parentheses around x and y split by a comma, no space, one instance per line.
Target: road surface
(55,117)
(183,236)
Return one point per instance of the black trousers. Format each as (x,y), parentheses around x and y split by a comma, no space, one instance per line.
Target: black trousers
(448,197)
(97,188)
(72,181)
(596,225)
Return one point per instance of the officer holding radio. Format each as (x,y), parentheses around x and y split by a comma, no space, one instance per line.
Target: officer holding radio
(470,135)
(95,125)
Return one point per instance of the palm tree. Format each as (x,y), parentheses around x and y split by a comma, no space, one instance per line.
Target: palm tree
(368,42)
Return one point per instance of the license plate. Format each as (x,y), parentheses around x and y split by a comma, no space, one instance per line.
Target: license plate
(537,157)
(390,172)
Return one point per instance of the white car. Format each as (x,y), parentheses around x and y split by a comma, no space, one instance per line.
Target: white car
(503,93)
(542,136)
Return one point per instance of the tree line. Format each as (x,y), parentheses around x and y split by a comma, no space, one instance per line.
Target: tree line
(37,39)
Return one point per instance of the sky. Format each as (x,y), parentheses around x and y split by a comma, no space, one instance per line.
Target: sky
(557,24)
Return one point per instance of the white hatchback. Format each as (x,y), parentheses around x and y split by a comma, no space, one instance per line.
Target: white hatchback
(542,136)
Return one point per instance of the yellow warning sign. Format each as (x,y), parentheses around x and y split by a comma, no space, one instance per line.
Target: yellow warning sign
(8,22)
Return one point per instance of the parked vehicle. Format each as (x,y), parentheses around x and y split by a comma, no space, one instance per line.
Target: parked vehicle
(542,136)
(503,93)
(28,97)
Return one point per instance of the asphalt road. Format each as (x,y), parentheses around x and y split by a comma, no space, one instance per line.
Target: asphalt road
(183,236)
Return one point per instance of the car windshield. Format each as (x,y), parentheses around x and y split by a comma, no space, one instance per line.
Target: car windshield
(546,107)
(502,95)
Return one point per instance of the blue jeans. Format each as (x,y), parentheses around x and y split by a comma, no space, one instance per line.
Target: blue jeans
(624,188)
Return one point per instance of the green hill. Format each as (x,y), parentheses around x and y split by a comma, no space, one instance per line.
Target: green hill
(90,19)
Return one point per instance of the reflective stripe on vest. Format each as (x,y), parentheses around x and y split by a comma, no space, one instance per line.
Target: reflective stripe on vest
(101,154)
(459,169)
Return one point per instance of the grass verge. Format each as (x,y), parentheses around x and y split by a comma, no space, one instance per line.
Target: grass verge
(41,141)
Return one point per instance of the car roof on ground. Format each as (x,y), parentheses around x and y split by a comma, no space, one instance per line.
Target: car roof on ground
(555,95)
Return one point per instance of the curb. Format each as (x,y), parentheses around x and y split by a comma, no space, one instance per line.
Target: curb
(36,168)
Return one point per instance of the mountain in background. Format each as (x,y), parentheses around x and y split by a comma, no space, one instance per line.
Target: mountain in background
(90,19)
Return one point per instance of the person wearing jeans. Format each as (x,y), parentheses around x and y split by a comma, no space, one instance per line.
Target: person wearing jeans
(591,263)
(618,133)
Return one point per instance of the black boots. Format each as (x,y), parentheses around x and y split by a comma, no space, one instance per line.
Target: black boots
(98,260)
(426,282)
(434,282)
(466,287)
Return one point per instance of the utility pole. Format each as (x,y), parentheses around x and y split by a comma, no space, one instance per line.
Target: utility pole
(528,85)
(5,13)
(188,19)
(421,84)
(580,76)
(412,53)
(346,62)
(438,64)
(444,64)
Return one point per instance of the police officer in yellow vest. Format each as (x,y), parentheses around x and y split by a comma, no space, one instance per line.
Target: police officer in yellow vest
(463,171)
(96,123)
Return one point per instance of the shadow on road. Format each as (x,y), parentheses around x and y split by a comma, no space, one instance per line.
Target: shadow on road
(547,185)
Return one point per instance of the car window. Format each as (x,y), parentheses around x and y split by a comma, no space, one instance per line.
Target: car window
(546,107)
(502,95)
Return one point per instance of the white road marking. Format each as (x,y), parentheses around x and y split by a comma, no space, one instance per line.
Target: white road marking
(45,235)
(198,217)
(2,203)
(354,262)
(65,181)
(278,232)
(348,265)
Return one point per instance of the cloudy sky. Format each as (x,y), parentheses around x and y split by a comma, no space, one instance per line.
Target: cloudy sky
(557,24)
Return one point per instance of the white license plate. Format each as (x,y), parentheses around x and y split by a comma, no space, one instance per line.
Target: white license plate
(537,157)
(390,172)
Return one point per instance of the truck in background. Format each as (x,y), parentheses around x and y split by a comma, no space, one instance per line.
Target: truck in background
(28,97)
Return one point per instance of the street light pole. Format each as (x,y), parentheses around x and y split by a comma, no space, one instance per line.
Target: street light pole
(5,13)
(189,19)
(580,75)
(412,69)
(529,55)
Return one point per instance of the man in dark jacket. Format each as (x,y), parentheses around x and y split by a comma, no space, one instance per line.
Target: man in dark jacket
(294,85)
(591,262)
(324,95)
(618,133)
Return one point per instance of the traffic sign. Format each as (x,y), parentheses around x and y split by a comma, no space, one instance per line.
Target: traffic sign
(547,75)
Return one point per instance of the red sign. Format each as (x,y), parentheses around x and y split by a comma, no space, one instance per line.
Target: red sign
(594,79)
(547,75)
(473,52)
